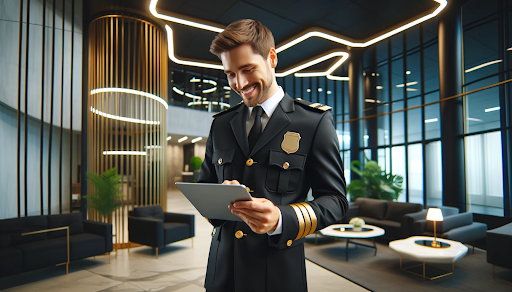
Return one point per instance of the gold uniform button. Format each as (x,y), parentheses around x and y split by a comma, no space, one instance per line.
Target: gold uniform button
(289,242)
(286,165)
(249,190)
(249,162)
(239,234)
(219,161)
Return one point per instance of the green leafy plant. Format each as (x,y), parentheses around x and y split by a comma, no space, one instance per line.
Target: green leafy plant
(356,222)
(106,195)
(195,163)
(375,183)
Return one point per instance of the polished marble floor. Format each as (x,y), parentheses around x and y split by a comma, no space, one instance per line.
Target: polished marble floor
(179,267)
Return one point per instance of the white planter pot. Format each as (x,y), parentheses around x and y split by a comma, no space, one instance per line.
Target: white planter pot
(357,228)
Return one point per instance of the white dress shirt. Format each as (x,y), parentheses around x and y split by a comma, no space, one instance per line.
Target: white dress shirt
(269,106)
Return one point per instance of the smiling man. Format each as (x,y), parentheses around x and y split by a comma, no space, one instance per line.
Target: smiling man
(279,148)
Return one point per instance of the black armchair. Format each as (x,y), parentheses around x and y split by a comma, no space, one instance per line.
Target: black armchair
(499,243)
(153,227)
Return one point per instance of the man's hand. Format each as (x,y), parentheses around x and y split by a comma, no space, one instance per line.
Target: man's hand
(260,214)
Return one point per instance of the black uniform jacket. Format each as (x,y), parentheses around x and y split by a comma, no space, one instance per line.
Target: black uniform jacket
(241,260)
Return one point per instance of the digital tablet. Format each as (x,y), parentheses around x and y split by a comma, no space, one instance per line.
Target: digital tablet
(212,200)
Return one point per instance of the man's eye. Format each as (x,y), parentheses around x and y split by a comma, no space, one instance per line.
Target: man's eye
(231,75)
(248,70)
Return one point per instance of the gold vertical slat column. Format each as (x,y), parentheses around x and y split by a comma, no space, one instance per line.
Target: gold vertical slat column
(127,63)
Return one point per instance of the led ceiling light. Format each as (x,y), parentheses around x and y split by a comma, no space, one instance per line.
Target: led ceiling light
(124,119)
(175,89)
(408,84)
(295,40)
(212,82)
(329,92)
(372,100)
(152,147)
(124,153)
(492,109)
(197,139)
(473,119)
(226,88)
(379,87)
(208,103)
(168,138)
(131,91)
(431,120)
(482,65)
(407,72)
(182,139)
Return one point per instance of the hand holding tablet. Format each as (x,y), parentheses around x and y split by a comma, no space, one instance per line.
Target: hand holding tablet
(212,200)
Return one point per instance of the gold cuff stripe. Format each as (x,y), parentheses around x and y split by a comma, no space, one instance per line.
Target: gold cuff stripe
(312,215)
(300,219)
(306,218)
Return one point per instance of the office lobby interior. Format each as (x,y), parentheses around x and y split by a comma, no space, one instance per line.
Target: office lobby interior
(105,105)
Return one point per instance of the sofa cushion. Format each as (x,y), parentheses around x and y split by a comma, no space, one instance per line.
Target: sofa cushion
(43,253)
(397,210)
(150,212)
(15,227)
(73,220)
(11,261)
(5,240)
(451,222)
(85,245)
(175,231)
(373,208)
(393,229)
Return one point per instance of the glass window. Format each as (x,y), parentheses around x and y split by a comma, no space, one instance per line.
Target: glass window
(413,75)
(430,29)
(383,126)
(299,93)
(481,51)
(483,107)
(432,117)
(398,167)
(431,67)
(382,51)
(290,89)
(306,89)
(397,79)
(414,122)
(346,166)
(484,173)
(314,89)
(415,175)
(434,175)
(397,120)
(383,83)
(322,90)
(339,97)
(412,36)
(384,159)
(330,93)
(397,44)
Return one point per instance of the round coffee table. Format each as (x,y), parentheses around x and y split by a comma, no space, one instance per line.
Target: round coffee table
(411,249)
(345,231)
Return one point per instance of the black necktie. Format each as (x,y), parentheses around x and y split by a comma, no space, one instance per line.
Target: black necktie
(255,133)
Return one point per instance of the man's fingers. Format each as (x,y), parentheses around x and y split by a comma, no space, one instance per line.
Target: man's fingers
(257,204)
(230,182)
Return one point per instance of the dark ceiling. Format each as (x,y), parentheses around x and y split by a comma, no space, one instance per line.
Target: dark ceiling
(352,19)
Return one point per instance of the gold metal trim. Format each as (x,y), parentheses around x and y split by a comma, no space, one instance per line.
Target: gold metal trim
(407,269)
(315,105)
(300,219)
(55,229)
(312,215)
(305,213)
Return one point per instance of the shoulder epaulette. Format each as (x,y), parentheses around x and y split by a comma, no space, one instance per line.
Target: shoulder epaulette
(310,105)
(228,110)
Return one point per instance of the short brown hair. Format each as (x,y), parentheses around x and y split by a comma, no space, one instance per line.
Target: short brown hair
(244,31)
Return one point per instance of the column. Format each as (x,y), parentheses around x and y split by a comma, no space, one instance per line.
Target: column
(355,91)
(452,115)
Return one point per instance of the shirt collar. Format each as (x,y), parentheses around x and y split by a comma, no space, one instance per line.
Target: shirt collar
(270,105)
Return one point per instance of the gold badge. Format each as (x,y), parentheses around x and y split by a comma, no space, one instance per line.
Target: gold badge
(290,142)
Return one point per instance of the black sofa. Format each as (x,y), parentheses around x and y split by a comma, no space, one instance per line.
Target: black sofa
(499,247)
(153,227)
(388,215)
(48,245)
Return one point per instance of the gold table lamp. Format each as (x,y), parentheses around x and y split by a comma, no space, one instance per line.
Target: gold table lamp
(434,214)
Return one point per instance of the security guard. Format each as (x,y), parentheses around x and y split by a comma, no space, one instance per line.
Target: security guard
(279,148)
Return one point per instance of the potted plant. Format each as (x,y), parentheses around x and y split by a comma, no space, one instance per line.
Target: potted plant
(195,165)
(357,224)
(375,183)
(106,195)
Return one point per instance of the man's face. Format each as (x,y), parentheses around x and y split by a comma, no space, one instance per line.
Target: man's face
(249,74)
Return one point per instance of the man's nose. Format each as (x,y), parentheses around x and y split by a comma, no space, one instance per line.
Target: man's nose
(241,81)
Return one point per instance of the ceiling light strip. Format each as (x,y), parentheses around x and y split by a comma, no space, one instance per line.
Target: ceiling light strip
(197,139)
(208,103)
(482,65)
(492,109)
(131,91)
(124,119)
(152,9)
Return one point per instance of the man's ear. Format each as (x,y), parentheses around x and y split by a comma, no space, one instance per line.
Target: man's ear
(272,55)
